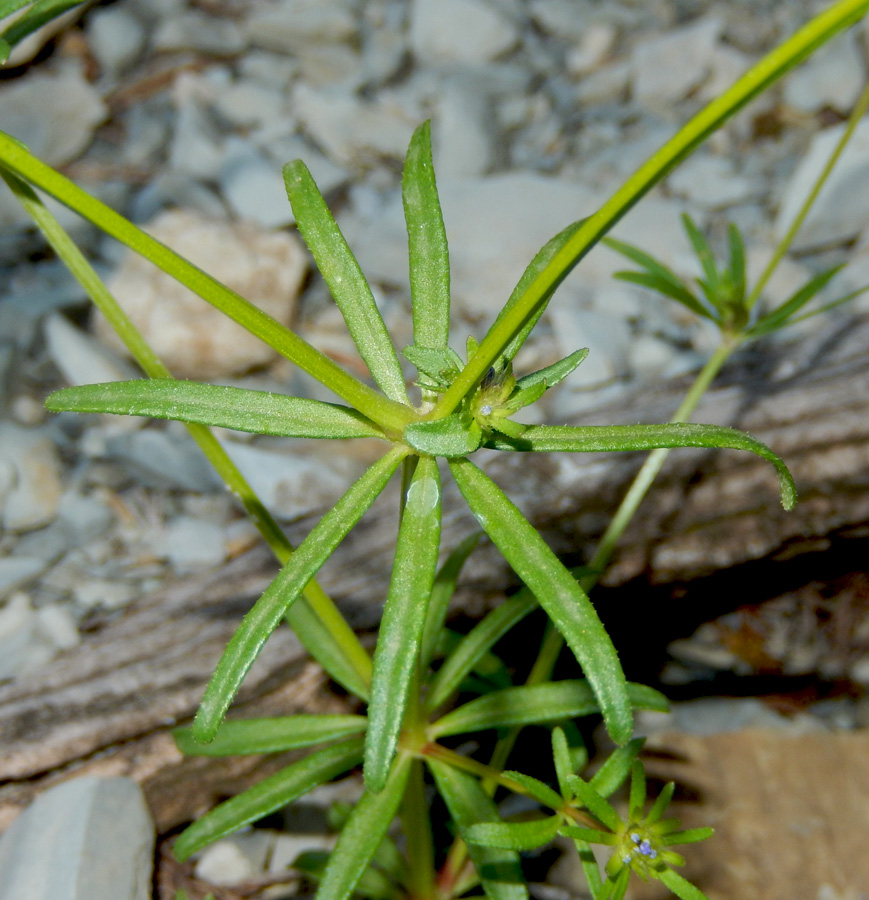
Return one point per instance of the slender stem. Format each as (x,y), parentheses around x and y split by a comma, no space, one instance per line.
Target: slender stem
(416,824)
(358,662)
(784,244)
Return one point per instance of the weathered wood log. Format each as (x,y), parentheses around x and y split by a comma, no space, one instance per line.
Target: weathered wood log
(108,704)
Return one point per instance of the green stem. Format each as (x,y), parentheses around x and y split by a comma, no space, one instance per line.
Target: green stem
(784,244)
(356,671)
(416,824)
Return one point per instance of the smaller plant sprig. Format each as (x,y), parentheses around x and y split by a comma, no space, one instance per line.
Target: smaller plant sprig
(641,844)
(39,13)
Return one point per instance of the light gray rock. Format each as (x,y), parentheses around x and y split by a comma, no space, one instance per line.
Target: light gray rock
(355,133)
(198,31)
(193,545)
(565,19)
(465,137)
(246,104)
(21,648)
(668,67)
(840,212)
(17,571)
(291,485)
(34,499)
(287,26)
(467,31)
(608,340)
(833,76)
(116,37)
(718,715)
(80,358)
(85,839)
(593,46)
(254,187)
(712,183)
(84,519)
(192,337)
(196,148)
(55,115)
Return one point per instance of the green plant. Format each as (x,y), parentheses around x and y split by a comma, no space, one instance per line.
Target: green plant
(39,12)
(464,405)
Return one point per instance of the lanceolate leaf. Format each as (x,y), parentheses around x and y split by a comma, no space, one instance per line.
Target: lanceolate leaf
(612,774)
(258,624)
(478,641)
(350,290)
(401,629)
(564,601)
(555,373)
(269,795)
(270,735)
(680,886)
(780,316)
(586,438)
(468,804)
(529,703)
(361,835)
(514,835)
(258,412)
(427,245)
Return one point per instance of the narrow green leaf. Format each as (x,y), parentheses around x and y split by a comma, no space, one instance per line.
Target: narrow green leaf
(590,835)
(616,888)
(562,760)
(372,885)
(259,412)
(588,438)
(541,792)
(342,274)
(475,644)
(638,790)
(737,264)
(453,436)
(399,639)
(589,864)
(39,14)
(361,835)
(427,244)
(441,594)
(680,886)
(657,276)
(269,795)
(268,611)
(440,365)
(612,774)
(243,736)
(468,804)
(514,835)
(661,803)
(544,258)
(689,836)
(712,283)
(555,373)
(779,317)
(595,804)
(536,703)
(564,601)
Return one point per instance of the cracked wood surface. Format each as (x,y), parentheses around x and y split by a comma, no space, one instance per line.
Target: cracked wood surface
(107,705)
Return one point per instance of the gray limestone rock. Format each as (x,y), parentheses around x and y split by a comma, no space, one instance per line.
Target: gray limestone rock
(85,839)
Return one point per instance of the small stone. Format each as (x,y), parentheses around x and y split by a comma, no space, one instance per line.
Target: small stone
(57,626)
(116,38)
(287,26)
(198,31)
(246,104)
(21,649)
(193,338)
(84,839)
(80,358)
(354,133)
(839,212)
(668,67)
(193,545)
(17,571)
(464,145)
(832,77)
(712,183)
(466,31)
(224,862)
(83,518)
(98,593)
(254,187)
(34,499)
(55,115)
(594,45)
